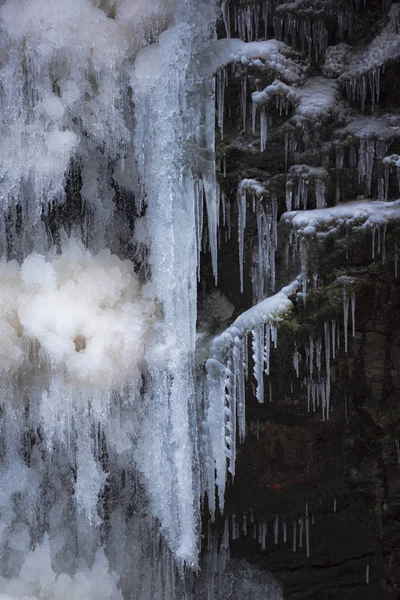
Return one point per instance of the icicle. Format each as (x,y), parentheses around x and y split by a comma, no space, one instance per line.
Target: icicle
(320,199)
(294,535)
(313,394)
(318,351)
(289,195)
(241,229)
(304,267)
(253,116)
(263,129)
(220,86)
(333,338)
(362,161)
(307,533)
(244,526)
(345,317)
(267,348)
(263,535)
(386,179)
(243,86)
(353,313)
(276,529)
(226,17)
(367,574)
(246,356)
(258,358)
(223,207)
(239,373)
(328,366)
(301,531)
(296,360)
(284,531)
(369,165)
(334,505)
(270,391)
(339,166)
(234,528)
(274,334)
(345,405)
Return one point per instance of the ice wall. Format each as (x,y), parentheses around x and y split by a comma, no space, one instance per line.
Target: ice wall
(99,410)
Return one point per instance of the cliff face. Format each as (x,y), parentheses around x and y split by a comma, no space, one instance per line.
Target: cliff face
(316,495)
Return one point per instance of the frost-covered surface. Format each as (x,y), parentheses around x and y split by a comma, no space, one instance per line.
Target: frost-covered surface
(351,215)
(362,75)
(384,48)
(225,382)
(360,126)
(336,60)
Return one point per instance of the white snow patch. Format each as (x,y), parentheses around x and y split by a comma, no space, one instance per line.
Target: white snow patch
(85,311)
(269,54)
(353,215)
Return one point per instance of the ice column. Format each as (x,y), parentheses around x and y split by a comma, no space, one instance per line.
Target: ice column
(167,100)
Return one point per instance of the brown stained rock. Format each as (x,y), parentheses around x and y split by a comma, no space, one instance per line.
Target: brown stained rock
(80,343)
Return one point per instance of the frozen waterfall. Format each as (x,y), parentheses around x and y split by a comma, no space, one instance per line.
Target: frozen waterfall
(101,102)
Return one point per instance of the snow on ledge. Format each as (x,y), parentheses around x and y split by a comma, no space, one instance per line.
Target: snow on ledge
(315,98)
(270,54)
(271,309)
(361,214)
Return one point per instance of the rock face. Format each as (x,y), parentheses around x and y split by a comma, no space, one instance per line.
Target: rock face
(316,495)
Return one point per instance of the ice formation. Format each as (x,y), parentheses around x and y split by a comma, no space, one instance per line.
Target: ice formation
(109,445)
(85,312)
(98,396)
(225,385)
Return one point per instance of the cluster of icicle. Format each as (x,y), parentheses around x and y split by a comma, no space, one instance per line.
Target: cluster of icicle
(227,370)
(363,71)
(265,206)
(305,30)
(247,525)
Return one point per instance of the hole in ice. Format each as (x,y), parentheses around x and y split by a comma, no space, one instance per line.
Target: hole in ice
(80,343)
